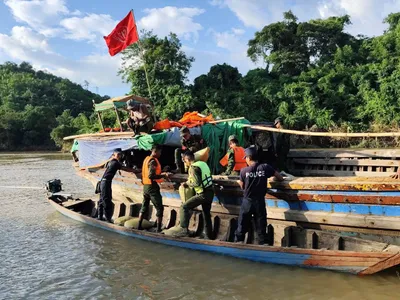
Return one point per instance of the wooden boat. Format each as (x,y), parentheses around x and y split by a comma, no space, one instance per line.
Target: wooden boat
(343,190)
(295,246)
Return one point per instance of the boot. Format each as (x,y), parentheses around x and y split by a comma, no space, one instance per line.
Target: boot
(100,213)
(159,224)
(140,221)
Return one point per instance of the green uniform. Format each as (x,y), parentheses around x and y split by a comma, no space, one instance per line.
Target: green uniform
(231,164)
(151,192)
(194,144)
(201,181)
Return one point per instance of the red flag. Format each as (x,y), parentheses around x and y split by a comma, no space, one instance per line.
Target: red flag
(123,35)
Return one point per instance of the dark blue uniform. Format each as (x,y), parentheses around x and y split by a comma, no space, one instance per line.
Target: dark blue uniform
(105,203)
(255,179)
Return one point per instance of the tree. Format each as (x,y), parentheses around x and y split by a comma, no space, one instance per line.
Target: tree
(166,65)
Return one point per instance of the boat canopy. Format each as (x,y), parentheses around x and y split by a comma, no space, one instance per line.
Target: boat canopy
(120,102)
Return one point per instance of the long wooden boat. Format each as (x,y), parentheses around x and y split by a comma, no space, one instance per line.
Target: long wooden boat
(342,190)
(299,247)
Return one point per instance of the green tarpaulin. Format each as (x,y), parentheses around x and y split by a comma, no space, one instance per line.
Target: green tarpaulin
(145,142)
(75,146)
(216,136)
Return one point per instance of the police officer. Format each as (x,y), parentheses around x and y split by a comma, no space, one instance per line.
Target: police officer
(253,181)
(189,142)
(151,177)
(234,159)
(105,206)
(200,180)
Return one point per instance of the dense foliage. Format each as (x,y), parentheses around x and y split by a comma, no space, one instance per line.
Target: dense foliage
(316,76)
(33,103)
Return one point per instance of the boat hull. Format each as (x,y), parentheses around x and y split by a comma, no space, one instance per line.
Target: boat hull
(325,207)
(345,261)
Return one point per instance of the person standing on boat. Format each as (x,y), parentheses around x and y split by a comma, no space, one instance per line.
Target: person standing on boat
(234,159)
(151,177)
(281,145)
(191,142)
(200,180)
(140,119)
(105,205)
(253,181)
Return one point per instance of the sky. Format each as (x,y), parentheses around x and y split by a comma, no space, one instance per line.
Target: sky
(65,37)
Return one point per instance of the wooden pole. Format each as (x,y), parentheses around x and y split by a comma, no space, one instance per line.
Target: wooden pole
(226,120)
(118,118)
(100,119)
(326,134)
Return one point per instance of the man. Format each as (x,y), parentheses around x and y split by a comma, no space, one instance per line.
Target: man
(189,142)
(140,120)
(234,159)
(151,177)
(253,181)
(200,180)
(105,206)
(281,145)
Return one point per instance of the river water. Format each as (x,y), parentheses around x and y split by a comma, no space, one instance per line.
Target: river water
(44,255)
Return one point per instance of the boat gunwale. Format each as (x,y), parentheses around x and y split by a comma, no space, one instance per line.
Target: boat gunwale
(262,248)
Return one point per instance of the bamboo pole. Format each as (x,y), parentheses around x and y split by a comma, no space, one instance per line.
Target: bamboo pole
(101,120)
(226,120)
(326,134)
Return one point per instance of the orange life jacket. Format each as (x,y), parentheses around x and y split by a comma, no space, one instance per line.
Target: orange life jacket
(145,170)
(240,162)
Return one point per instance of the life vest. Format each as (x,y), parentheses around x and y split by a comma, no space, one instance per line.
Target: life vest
(145,170)
(240,162)
(206,178)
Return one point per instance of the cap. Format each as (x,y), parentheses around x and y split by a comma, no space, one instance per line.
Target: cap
(184,130)
(250,151)
(117,150)
(232,137)
(131,104)
(278,120)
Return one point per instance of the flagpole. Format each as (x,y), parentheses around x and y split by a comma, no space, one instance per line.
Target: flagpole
(142,56)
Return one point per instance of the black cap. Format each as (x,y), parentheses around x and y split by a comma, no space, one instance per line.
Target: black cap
(252,151)
(117,150)
(278,120)
(184,130)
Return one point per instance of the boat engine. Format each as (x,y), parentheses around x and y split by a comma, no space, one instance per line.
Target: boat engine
(54,186)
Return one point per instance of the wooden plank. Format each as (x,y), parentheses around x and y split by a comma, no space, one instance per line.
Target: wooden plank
(343,153)
(340,219)
(382,265)
(348,162)
(340,173)
(119,119)
(226,120)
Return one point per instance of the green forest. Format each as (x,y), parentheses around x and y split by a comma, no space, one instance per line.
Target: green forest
(316,76)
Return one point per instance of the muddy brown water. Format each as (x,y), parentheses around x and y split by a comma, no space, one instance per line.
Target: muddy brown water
(44,255)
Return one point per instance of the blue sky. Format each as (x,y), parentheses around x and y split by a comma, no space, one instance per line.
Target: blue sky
(65,36)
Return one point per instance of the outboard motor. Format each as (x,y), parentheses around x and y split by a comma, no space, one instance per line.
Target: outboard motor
(54,186)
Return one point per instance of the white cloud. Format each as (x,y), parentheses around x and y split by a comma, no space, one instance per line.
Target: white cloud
(236,47)
(172,19)
(41,15)
(366,15)
(27,38)
(25,45)
(88,27)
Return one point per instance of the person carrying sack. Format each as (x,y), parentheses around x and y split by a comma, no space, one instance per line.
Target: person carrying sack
(200,180)
(151,177)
